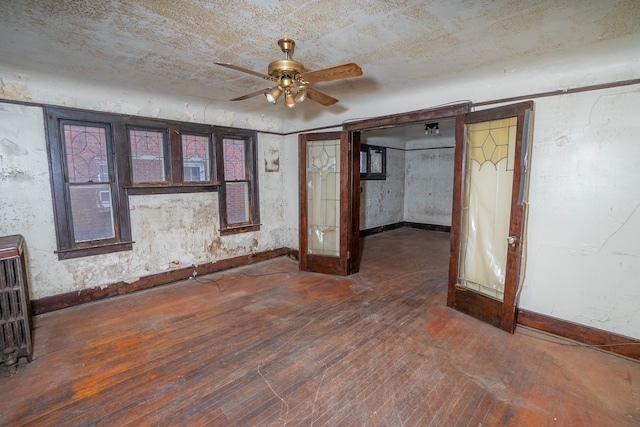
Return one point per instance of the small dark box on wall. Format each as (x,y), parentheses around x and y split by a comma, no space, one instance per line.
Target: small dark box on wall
(15,307)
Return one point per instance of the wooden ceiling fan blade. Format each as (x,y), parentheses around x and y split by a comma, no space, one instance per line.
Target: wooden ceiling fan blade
(320,97)
(333,73)
(245,70)
(251,95)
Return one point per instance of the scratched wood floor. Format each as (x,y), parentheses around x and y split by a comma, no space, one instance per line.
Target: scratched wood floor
(266,345)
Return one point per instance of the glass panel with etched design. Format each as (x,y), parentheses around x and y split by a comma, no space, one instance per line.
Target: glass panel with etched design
(486,210)
(195,158)
(89,182)
(323,197)
(147,156)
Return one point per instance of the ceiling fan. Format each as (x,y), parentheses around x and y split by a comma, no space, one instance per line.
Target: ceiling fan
(293,80)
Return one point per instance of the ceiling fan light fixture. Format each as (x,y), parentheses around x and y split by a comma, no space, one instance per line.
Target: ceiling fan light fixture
(431,129)
(289,100)
(273,94)
(286,82)
(300,95)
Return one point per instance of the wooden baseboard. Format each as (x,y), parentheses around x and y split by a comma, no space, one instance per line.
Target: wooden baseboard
(604,340)
(431,227)
(380,229)
(383,228)
(70,299)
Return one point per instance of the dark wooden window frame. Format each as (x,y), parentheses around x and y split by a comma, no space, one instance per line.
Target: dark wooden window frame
(251,167)
(55,119)
(119,165)
(367,174)
(174,179)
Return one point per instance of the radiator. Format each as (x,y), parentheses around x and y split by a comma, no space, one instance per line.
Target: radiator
(15,306)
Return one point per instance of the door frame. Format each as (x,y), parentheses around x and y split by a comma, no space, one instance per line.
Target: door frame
(354,129)
(411,117)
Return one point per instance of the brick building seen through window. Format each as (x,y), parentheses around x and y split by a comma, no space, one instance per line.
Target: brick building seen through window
(89,182)
(236,181)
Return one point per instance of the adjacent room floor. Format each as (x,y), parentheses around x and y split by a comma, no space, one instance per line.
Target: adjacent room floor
(267,345)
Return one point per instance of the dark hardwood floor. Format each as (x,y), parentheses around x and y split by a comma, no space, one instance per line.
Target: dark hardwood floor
(268,345)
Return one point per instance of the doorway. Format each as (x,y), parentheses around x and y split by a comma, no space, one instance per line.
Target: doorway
(465,293)
(415,186)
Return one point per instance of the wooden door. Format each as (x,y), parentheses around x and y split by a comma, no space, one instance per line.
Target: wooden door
(489,213)
(329,202)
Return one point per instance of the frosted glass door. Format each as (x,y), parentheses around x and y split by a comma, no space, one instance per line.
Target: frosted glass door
(489,204)
(329,239)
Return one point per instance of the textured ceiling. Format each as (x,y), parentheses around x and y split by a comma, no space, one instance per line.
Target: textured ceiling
(169,46)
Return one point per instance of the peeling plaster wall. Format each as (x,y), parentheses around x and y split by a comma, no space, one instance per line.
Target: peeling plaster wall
(584,222)
(289,168)
(418,187)
(429,184)
(170,231)
(382,201)
(44,89)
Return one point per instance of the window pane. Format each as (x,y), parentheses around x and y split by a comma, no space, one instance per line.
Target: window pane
(195,158)
(91,211)
(237,194)
(86,152)
(147,156)
(376,161)
(363,162)
(234,159)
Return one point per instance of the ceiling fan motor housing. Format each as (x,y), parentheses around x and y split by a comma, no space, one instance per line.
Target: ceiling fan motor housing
(285,67)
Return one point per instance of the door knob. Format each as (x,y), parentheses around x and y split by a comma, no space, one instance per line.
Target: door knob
(512,241)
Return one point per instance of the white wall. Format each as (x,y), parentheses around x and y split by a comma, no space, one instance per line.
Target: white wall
(584,218)
(170,231)
(429,183)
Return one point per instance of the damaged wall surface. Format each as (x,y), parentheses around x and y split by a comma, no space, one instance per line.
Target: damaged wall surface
(419,182)
(583,262)
(382,201)
(429,185)
(170,231)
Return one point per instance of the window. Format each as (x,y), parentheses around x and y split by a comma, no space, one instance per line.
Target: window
(238,193)
(373,162)
(195,158)
(98,159)
(104,198)
(147,155)
(90,208)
